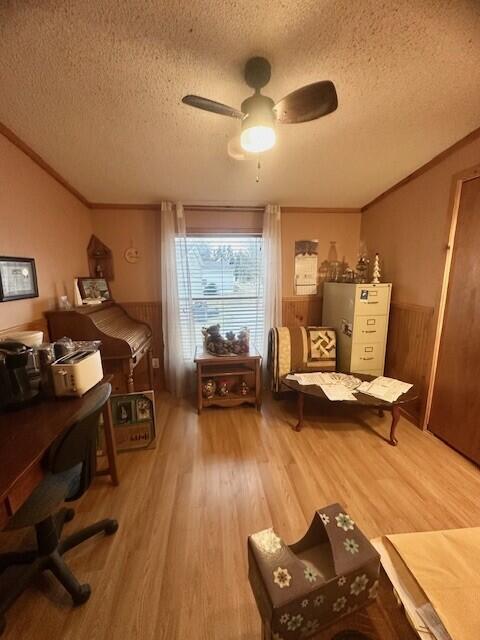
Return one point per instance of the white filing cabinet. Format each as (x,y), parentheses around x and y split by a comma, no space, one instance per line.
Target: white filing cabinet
(359,314)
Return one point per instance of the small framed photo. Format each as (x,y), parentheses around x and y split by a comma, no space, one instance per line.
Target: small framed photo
(94,289)
(124,412)
(144,409)
(18,278)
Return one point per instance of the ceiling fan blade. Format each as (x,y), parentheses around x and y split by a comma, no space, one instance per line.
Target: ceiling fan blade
(211,105)
(308,103)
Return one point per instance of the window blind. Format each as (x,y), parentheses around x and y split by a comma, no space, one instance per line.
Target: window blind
(220,281)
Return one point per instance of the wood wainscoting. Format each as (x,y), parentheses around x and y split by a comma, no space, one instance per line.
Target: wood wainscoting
(151,313)
(300,311)
(409,351)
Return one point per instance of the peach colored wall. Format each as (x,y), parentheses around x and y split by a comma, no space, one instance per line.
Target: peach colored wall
(409,228)
(120,229)
(235,220)
(140,282)
(344,228)
(39,219)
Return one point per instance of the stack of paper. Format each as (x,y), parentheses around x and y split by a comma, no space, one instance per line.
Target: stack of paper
(387,389)
(337,392)
(336,386)
(327,378)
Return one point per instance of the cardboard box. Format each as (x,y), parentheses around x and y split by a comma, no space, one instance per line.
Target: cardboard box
(332,571)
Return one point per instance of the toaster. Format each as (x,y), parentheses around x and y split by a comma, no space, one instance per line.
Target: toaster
(76,373)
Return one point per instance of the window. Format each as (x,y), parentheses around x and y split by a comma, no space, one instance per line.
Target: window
(220,281)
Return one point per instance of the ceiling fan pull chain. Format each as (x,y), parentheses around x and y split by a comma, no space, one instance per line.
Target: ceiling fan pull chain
(259,166)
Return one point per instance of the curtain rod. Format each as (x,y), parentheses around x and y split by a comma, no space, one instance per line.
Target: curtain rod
(218,208)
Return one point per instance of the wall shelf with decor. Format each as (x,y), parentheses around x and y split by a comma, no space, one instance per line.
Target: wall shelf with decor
(100,259)
(242,384)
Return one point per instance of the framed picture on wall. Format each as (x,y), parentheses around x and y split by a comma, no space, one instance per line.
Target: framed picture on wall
(18,278)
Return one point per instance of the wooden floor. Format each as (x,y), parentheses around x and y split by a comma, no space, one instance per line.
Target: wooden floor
(177,566)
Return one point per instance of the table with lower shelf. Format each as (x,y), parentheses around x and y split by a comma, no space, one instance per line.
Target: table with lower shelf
(235,368)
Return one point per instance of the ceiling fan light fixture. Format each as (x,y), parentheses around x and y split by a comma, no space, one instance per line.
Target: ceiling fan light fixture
(258,125)
(258,138)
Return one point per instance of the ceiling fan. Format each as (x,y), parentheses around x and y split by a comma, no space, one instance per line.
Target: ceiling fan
(259,114)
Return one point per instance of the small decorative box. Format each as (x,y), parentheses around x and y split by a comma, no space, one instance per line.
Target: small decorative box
(300,588)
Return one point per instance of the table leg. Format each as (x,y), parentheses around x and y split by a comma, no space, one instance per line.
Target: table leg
(258,385)
(150,368)
(128,373)
(300,400)
(110,444)
(395,419)
(199,389)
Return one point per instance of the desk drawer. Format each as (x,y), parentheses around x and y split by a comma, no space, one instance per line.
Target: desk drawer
(369,329)
(372,300)
(367,356)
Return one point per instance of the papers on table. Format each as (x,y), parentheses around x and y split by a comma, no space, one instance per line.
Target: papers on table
(339,386)
(336,392)
(387,389)
(327,378)
(336,386)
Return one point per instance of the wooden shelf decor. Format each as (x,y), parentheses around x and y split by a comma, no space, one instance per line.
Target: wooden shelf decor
(246,368)
(100,259)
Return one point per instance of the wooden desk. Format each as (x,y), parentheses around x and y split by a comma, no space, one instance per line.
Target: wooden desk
(25,437)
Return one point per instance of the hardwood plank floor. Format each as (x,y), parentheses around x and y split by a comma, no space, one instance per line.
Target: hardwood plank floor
(176,568)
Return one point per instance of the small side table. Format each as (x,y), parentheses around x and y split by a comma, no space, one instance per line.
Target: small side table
(237,368)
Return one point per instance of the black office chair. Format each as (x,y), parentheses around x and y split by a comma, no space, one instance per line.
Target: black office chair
(70,468)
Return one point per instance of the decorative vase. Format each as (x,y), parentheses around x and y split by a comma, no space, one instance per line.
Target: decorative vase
(376,270)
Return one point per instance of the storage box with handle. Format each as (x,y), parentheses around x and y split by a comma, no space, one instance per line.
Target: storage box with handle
(332,571)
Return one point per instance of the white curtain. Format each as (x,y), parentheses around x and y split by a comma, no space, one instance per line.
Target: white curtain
(272,269)
(176,298)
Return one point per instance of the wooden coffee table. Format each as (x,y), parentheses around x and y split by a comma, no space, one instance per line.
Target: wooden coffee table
(362,400)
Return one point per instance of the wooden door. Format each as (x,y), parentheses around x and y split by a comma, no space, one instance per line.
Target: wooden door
(455,413)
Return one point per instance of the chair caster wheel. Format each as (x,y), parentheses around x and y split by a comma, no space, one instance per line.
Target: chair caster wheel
(83,594)
(69,515)
(3,625)
(111,527)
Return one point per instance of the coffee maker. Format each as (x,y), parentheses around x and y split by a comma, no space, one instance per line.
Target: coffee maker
(17,385)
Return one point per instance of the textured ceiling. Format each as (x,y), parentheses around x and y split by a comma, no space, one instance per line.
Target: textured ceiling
(95,88)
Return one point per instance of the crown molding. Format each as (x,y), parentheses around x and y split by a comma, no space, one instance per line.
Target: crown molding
(222,208)
(470,137)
